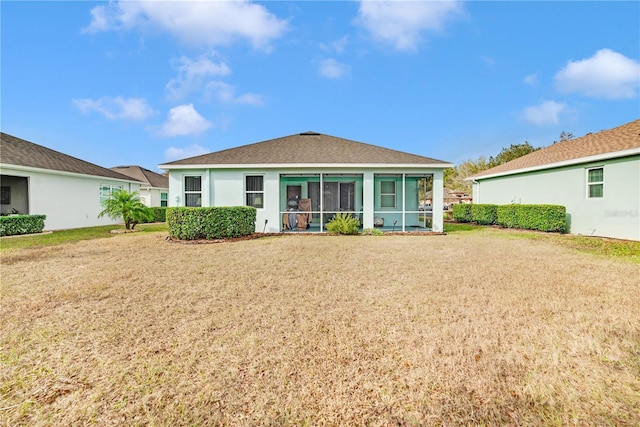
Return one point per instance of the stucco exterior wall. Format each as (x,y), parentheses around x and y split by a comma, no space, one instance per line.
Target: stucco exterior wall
(151,196)
(616,215)
(226,187)
(68,200)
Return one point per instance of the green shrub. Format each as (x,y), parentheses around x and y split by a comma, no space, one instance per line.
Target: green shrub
(159,214)
(484,214)
(21,224)
(372,232)
(507,216)
(462,212)
(211,222)
(343,223)
(550,218)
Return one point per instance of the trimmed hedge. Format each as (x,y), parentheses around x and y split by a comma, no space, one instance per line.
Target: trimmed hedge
(462,212)
(159,214)
(13,225)
(533,217)
(211,222)
(484,214)
(550,218)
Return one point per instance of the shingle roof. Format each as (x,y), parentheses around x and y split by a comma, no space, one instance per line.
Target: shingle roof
(152,178)
(307,148)
(19,152)
(609,141)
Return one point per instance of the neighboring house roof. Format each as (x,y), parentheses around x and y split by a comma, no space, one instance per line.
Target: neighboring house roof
(617,142)
(152,179)
(19,152)
(307,148)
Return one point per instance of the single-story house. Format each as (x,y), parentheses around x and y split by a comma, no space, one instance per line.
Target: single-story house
(316,175)
(39,181)
(596,177)
(155,188)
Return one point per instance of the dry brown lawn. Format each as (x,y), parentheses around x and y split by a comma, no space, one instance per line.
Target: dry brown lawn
(465,329)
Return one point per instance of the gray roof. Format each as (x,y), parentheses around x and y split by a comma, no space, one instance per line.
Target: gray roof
(19,152)
(152,178)
(308,148)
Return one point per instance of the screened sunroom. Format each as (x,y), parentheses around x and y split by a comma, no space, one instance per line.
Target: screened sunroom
(394,205)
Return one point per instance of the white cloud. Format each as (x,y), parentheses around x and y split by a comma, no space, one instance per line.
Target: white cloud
(544,113)
(210,23)
(607,74)
(184,120)
(175,153)
(337,46)
(118,108)
(531,79)
(402,23)
(226,93)
(192,75)
(332,69)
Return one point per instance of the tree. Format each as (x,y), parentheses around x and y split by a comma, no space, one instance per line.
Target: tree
(455,178)
(564,136)
(508,154)
(125,205)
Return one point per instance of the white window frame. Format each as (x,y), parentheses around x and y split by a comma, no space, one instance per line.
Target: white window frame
(255,193)
(591,184)
(383,194)
(191,192)
(111,188)
(164,200)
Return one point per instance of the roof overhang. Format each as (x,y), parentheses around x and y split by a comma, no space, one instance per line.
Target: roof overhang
(578,161)
(64,173)
(311,166)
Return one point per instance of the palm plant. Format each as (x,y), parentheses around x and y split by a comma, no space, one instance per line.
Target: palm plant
(126,205)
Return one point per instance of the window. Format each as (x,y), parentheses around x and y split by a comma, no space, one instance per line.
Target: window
(338,196)
(255,191)
(106,190)
(388,194)
(595,183)
(163,200)
(193,191)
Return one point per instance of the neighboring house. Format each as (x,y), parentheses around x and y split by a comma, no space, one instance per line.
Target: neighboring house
(69,191)
(380,186)
(154,191)
(596,177)
(450,198)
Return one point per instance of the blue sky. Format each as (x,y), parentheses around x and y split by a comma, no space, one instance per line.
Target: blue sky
(143,83)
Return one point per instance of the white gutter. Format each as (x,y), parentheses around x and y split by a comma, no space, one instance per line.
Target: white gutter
(571,162)
(309,166)
(65,173)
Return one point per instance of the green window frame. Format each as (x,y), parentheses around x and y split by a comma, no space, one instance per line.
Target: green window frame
(595,183)
(387,194)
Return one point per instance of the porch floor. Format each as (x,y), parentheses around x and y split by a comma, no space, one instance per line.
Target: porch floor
(315,228)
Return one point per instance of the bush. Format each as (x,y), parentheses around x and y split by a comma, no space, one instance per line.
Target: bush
(21,224)
(211,222)
(550,218)
(343,223)
(484,214)
(372,232)
(462,212)
(159,214)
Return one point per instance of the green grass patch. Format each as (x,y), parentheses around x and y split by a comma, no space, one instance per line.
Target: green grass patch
(455,227)
(74,235)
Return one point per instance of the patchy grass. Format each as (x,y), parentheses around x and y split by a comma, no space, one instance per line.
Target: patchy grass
(464,329)
(455,227)
(69,236)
